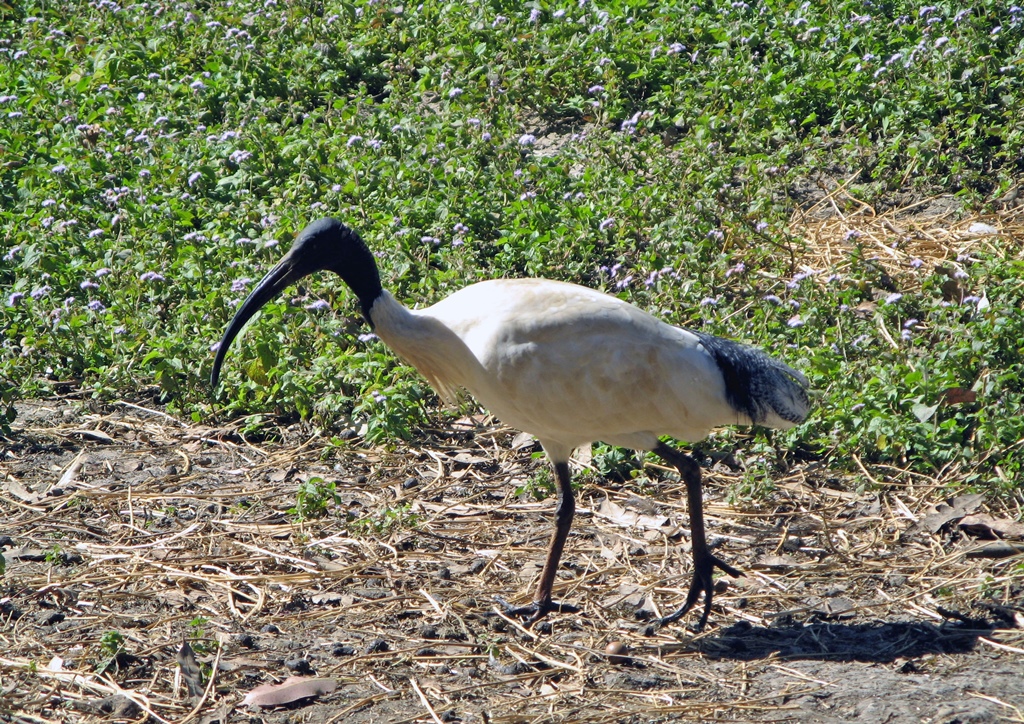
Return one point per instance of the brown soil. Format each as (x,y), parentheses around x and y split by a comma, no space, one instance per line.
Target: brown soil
(122,519)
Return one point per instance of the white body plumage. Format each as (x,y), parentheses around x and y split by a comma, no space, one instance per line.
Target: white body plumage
(566,363)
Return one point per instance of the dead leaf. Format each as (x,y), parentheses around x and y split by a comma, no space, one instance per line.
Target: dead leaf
(523,439)
(776,562)
(982,525)
(466,458)
(961,506)
(865,309)
(628,518)
(996,550)
(330,598)
(959,395)
(71,474)
(190,670)
(279,476)
(97,435)
(836,608)
(15,488)
(952,291)
(291,689)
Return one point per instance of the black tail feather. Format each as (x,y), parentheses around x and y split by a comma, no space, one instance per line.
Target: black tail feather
(757,385)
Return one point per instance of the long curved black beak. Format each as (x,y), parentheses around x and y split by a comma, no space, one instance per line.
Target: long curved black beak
(325,244)
(286,272)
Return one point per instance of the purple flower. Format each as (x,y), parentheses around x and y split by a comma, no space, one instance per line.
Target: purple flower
(795,321)
(240,285)
(606,224)
(197,85)
(9,256)
(369,336)
(709,302)
(318,305)
(237,157)
(152,276)
(527,139)
(193,177)
(738,268)
(916,263)
(535,16)
(59,169)
(40,292)
(96,305)
(594,89)
(893,298)
(95,233)
(455,93)
(910,323)
(100,273)
(485,136)
(15,299)
(88,284)
(353,141)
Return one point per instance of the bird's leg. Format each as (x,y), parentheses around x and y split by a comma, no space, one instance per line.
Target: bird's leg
(704,562)
(542,603)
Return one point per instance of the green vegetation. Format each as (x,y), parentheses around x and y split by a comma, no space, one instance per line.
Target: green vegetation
(111,647)
(156,158)
(314,499)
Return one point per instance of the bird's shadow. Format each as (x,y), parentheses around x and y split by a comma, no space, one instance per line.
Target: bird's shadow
(874,642)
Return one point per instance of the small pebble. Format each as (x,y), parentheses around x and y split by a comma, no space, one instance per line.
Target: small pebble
(270,629)
(343,650)
(376,646)
(410,483)
(300,667)
(617,652)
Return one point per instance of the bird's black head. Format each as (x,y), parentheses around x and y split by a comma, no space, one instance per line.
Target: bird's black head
(324,245)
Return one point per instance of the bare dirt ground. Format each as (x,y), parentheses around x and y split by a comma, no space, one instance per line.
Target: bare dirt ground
(126,532)
(123,520)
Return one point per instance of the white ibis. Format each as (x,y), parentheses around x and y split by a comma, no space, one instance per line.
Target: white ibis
(567,364)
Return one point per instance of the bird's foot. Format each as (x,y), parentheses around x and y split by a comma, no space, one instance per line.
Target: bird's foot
(703,565)
(536,610)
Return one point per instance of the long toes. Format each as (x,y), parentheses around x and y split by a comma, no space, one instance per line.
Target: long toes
(535,611)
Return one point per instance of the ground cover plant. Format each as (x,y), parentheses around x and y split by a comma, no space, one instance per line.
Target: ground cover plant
(835,182)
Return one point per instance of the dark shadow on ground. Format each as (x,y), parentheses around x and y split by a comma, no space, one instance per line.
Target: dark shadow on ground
(875,642)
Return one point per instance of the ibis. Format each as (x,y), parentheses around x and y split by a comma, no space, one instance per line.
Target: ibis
(568,364)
